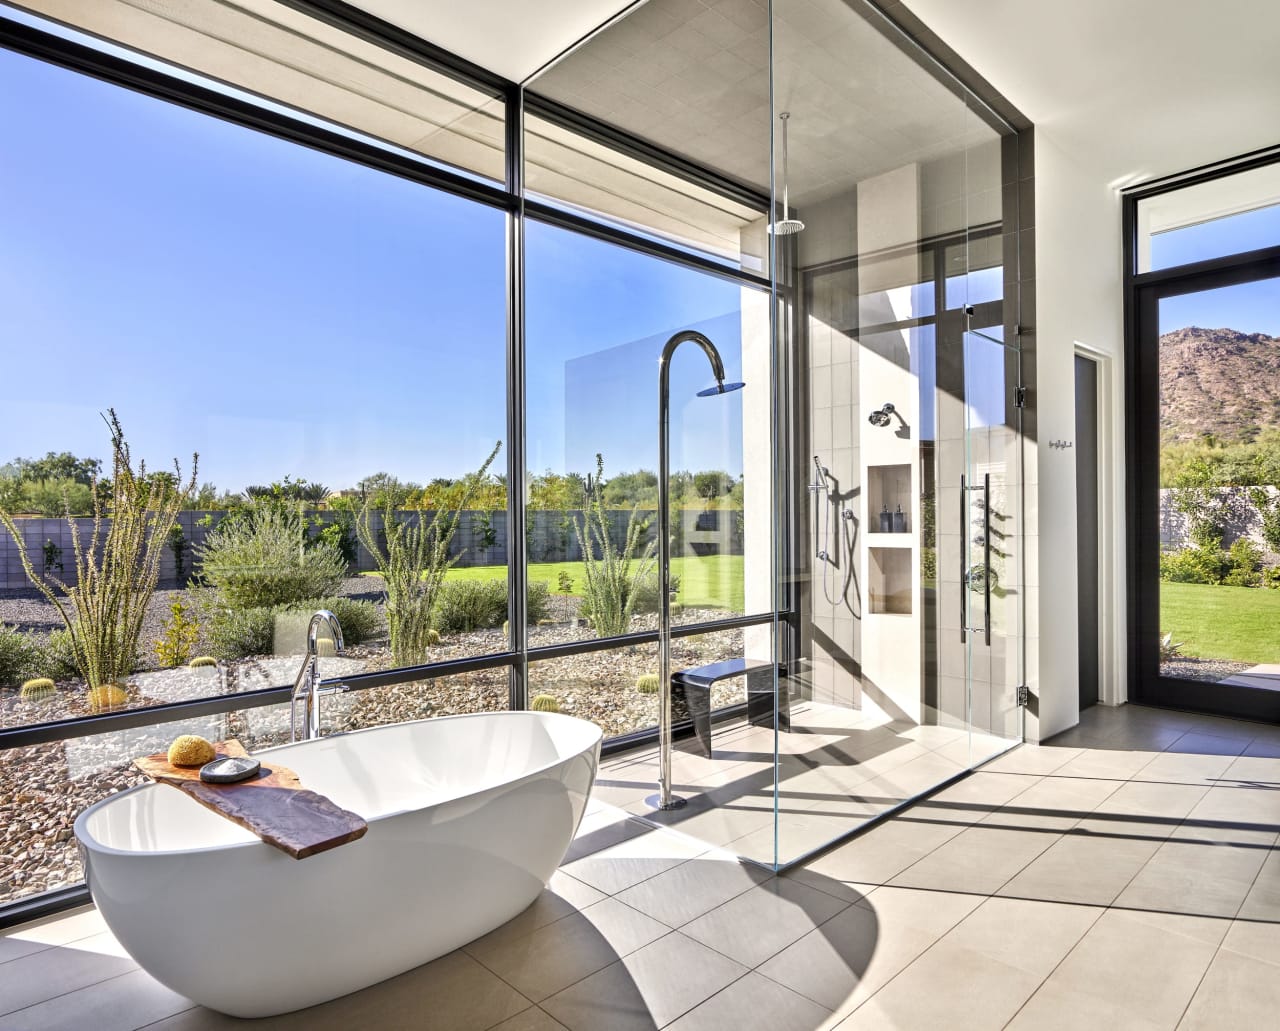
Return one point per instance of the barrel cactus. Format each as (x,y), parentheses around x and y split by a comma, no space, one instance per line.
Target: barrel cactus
(107,696)
(203,662)
(37,690)
(647,683)
(432,637)
(545,703)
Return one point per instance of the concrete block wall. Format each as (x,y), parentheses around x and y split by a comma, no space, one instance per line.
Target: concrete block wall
(480,540)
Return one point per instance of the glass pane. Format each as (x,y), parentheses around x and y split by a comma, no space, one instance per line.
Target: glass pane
(261,304)
(724,768)
(1213,219)
(275,52)
(692,79)
(598,317)
(50,785)
(570,170)
(900,191)
(1220,484)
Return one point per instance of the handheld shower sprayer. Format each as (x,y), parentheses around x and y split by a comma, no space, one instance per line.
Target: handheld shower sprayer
(819,484)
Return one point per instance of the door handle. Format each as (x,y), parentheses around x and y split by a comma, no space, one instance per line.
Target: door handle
(986,555)
(964,568)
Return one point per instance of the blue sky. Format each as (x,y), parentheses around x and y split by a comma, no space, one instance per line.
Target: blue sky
(1249,307)
(284,312)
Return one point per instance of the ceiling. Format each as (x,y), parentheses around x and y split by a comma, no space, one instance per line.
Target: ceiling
(693,76)
(511,37)
(1137,88)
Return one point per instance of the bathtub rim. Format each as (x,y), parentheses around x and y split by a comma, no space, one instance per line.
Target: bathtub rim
(91,844)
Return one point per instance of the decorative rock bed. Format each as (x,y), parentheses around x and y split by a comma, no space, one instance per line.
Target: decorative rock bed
(44,787)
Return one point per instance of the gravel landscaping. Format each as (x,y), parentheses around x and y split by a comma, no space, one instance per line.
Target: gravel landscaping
(1212,670)
(44,787)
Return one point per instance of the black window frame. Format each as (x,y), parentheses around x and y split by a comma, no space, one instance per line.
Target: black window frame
(79,58)
(1143,292)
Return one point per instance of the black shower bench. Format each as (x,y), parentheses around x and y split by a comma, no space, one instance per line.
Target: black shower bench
(691,692)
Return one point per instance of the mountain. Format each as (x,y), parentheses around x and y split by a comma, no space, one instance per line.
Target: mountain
(1218,381)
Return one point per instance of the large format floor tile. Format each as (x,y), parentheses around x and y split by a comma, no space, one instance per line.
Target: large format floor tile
(1125,876)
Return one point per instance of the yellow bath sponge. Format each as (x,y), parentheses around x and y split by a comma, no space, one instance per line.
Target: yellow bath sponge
(191,750)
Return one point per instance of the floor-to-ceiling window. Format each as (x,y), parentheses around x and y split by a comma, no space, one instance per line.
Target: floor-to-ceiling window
(294,252)
(1204,382)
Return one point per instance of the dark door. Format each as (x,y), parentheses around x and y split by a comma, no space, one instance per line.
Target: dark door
(1087,525)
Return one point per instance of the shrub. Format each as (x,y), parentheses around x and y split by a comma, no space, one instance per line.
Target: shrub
(465,605)
(57,656)
(1271,577)
(1245,559)
(1268,506)
(259,560)
(19,657)
(37,690)
(413,557)
(539,601)
(1194,566)
(180,635)
(237,633)
(545,703)
(609,580)
(645,592)
(117,569)
(55,498)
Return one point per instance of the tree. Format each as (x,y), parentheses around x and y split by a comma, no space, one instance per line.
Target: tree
(627,490)
(711,484)
(62,465)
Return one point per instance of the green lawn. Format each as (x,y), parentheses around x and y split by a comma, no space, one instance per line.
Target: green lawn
(713,581)
(1237,623)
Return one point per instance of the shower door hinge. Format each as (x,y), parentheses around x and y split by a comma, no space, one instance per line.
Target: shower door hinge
(1020,397)
(1024,695)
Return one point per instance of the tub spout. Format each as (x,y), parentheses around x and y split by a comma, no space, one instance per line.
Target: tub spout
(306,688)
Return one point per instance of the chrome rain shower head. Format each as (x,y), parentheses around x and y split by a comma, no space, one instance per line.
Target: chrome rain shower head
(881,417)
(721,388)
(788,226)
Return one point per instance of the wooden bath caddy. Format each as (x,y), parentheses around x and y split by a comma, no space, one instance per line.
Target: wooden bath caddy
(274,805)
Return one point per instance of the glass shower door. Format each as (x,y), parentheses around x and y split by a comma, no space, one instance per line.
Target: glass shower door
(990,511)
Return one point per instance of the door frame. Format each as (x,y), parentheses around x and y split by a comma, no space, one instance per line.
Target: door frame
(1111,640)
(1142,482)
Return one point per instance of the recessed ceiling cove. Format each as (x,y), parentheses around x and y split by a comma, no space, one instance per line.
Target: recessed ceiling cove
(511,37)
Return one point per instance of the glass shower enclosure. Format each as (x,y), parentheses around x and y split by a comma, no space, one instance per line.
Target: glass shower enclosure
(877,444)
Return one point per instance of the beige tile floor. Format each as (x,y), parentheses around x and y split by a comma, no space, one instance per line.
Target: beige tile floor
(837,767)
(1125,875)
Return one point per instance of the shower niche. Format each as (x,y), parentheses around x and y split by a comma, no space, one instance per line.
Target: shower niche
(889,499)
(889,581)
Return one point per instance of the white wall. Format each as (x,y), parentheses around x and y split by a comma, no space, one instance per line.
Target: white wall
(1078,306)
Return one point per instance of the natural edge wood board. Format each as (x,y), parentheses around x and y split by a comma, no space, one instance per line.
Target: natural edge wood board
(275,805)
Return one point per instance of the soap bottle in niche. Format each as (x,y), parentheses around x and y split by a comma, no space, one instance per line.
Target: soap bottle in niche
(886,520)
(899,521)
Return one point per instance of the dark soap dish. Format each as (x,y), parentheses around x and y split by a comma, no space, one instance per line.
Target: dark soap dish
(230,769)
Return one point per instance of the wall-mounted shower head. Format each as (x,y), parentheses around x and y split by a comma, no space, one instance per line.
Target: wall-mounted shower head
(881,417)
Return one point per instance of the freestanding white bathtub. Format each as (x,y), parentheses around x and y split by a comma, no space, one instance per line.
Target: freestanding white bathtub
(469,816)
